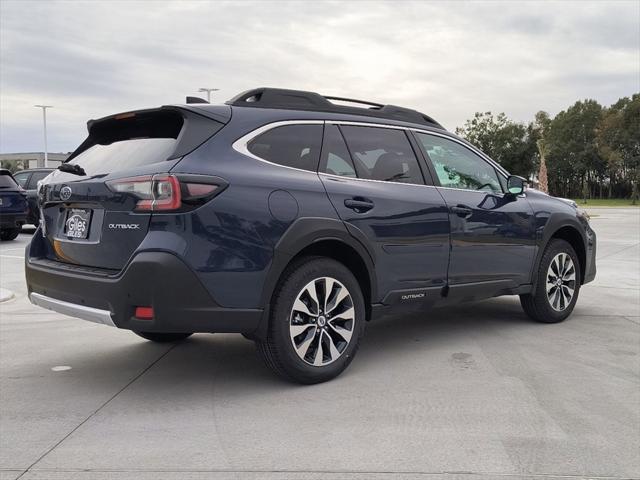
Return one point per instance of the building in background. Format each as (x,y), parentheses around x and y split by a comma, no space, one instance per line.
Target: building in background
(21,161)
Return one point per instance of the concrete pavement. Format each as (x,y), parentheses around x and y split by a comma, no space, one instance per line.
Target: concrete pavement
(473,392)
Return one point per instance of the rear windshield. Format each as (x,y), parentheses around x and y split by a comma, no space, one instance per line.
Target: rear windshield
(6,181)
(126,142)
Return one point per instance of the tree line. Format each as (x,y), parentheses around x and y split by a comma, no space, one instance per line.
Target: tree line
(586,151)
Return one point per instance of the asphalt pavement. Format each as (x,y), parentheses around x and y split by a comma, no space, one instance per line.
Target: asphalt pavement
(473,392)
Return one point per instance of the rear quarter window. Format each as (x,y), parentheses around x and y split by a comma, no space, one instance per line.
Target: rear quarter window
(296,146)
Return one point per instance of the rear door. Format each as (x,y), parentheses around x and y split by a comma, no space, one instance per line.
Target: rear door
(95,217)
(377,186)
(492,234)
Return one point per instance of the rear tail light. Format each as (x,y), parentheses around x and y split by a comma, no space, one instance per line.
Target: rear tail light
(163,192)
(144,313)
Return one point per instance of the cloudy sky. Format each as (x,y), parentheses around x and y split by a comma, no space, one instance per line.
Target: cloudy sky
(94,58)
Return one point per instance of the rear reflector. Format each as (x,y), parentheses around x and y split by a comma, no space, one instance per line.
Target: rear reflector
(200,189)
(144,313)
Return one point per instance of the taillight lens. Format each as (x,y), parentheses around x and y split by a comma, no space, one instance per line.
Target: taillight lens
(163,192)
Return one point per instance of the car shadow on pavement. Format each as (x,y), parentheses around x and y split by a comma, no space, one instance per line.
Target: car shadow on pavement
(231,362)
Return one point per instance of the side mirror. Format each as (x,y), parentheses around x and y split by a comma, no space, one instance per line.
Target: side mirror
(516,185)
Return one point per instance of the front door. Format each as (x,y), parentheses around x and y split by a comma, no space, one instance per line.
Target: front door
(492,233)
(378,188)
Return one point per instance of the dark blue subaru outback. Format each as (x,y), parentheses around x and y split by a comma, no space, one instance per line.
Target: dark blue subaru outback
(294,219)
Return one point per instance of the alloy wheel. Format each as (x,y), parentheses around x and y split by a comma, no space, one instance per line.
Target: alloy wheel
(561,282)
(321,322)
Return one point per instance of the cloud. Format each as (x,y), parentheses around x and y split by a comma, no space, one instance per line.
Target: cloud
(90,59)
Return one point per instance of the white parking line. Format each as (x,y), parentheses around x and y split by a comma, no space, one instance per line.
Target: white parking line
(11,256)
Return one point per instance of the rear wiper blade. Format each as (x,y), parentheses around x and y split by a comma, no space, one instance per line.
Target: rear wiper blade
(72,168)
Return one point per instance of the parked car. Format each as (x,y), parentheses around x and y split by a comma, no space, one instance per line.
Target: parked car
(28,179)
(13,206)
(293,220)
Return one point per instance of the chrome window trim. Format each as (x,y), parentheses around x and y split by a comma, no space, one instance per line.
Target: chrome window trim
(90,314)
(342,177)
(366,124)
(473,149)
(241,145)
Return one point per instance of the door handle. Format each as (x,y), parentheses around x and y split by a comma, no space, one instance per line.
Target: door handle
(462,211)
(359,204)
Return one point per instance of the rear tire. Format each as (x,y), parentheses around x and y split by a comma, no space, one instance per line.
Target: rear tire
(163,337)
(9,234)
(313,336)
(557,284)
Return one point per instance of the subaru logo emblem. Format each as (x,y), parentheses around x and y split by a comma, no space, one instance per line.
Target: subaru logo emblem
(65,193)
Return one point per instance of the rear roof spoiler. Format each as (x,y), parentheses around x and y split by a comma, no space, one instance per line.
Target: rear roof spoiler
(219,113)
(198,132)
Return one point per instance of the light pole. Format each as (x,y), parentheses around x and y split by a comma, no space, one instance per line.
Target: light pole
(44,119)
(208,90)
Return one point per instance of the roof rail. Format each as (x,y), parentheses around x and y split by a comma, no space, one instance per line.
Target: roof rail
(301,100)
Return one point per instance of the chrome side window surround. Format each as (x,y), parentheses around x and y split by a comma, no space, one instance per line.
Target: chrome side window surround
(428,132)
(241,146)
(371,180)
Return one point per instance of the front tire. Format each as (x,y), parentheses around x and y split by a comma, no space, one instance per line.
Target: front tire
(9,234)
(163,337)
(317,321)
(557,284)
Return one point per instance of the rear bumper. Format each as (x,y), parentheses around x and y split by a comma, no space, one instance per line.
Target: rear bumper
(12,220)
(73,310)
(157,279)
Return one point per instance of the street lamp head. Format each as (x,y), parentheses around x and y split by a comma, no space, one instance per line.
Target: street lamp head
(44,106)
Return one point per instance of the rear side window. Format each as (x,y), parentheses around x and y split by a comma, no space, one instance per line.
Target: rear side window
(382,154)
(296,146)
(335,156)
(35,178)
(22,178)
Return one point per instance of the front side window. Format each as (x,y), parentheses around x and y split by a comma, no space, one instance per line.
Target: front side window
(295,146)
(382,154)
(458,167)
